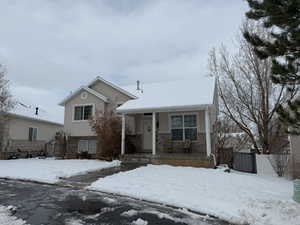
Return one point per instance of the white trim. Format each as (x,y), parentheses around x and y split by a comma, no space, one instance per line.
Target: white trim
(207,133)
(89,90)
(183,127)
(98,78)
(153,133)
(165,109)
(123,135)
(85,104)
(97,94)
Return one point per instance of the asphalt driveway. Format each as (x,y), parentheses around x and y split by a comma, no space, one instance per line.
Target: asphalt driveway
(49,204)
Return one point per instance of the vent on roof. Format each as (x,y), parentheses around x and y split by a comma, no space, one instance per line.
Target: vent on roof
(138,86)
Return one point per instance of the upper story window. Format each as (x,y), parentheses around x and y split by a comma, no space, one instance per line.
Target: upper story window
(184,127)
(32,136)
(83,112)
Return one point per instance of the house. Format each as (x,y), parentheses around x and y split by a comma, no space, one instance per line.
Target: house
(177,114)
(26,130)
(97,96)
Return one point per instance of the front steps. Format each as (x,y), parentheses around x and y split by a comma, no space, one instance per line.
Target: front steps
(193,160)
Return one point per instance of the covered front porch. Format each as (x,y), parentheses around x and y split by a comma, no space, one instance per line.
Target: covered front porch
(182,136)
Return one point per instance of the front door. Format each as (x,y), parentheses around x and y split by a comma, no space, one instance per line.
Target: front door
(147,140)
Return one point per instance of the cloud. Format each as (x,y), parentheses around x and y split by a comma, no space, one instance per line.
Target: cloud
(57,46)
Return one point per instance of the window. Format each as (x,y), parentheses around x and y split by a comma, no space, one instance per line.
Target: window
(89,146)
(83,112)
(32,136)
(92,146)
(184,127)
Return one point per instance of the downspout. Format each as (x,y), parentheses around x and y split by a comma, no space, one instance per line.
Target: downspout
(214,157)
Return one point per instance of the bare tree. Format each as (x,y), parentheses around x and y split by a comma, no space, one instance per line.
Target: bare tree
(248,96)
(108,128)
(6,104)
(229,135)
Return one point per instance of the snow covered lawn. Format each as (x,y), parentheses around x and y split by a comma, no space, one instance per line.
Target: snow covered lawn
(49,170)
(235,197)
(7,219)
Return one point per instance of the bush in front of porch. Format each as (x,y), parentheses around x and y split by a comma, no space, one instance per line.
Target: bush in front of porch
(108,128)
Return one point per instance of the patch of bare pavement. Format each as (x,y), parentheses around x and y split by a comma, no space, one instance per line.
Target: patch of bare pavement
(81,181)
(70,204)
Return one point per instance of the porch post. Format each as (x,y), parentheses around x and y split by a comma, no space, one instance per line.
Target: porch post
(123,135)
(207,132)
(153,133)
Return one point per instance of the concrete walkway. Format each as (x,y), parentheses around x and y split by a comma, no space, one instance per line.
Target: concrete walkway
(82,181)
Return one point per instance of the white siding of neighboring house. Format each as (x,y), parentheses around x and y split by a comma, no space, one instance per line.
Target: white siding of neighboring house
(19,129)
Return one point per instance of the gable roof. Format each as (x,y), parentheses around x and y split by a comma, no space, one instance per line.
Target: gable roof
(24,111)
(87,89)
(122,90)
(182,94)
(95,93)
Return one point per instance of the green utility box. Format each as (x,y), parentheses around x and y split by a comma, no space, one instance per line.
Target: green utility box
(297,190)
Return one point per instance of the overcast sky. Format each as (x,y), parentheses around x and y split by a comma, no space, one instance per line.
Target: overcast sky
(52,47)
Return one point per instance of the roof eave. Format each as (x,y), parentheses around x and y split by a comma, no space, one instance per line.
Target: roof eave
(165,109)
(91,91)
(98,78)
(34,119)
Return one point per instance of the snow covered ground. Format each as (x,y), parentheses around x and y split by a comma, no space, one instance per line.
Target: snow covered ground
(49,170)
(7,219)
(235,197)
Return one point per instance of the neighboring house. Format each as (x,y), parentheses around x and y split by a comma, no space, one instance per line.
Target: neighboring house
(26,131)
(163,118)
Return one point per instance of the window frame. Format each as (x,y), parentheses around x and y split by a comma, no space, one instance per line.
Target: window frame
(82,105)
(36,137)
(87,145)
(183,125)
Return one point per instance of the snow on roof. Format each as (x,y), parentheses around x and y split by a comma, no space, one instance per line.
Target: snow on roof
(29,111)
(181,93)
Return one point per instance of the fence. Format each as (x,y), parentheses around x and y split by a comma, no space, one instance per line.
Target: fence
(225,156)
(244,162)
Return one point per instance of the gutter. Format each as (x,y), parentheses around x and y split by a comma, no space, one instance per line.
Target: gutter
(35,119)
(164,109)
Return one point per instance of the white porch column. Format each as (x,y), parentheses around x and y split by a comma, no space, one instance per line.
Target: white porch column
(207,132)
(123,135)
(153,133)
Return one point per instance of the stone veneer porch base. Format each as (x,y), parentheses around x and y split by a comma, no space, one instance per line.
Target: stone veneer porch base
(174,159)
